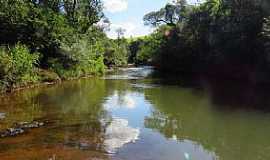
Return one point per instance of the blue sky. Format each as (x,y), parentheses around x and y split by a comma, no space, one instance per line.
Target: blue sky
(128,14)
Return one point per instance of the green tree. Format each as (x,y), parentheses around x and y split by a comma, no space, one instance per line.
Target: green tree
(171,14)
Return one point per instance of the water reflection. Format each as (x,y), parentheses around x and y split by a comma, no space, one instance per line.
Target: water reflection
(18,108)
(74,108)
(151,144)
(236,95)
(190,115)
(118,133)
(133,120)
(117,101)
(91,118)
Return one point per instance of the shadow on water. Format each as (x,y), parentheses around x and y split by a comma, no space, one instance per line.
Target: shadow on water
(183,80)
(232,95)
(225,94)
(192,114)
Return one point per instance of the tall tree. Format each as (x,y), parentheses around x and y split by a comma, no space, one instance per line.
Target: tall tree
(83,13)
(120,32)
(170,15)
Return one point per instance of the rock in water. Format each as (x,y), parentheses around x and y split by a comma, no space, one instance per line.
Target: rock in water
(20,128)
(2,116)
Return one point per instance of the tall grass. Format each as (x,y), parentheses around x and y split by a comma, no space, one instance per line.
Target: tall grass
(17,66)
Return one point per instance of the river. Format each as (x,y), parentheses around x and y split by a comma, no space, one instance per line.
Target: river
(129,116)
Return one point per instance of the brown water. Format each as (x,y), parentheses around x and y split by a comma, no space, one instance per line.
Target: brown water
(126,117)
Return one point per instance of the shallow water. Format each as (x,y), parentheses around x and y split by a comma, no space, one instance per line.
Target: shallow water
(127,117)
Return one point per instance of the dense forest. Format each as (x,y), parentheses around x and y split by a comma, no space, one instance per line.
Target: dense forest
(50,40)
(227,39)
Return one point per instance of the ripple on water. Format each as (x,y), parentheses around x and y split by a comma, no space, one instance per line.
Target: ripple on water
(131,73)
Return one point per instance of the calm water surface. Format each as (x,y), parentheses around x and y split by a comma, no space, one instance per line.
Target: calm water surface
(128,117)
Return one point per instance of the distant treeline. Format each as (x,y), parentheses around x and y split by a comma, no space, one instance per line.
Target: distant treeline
(48,40)
(220,38)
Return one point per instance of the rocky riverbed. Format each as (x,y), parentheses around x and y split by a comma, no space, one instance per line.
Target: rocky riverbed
(21,128)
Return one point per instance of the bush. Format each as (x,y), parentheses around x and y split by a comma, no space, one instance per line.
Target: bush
(17,66)
(116,54)
(48,76)
(81,57)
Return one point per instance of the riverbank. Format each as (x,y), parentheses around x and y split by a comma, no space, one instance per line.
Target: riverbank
(48,78)
(49,81)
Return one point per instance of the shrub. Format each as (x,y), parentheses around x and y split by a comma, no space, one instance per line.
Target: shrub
(81,57)
(17,66)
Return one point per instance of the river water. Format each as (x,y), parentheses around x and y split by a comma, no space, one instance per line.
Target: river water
(127,116)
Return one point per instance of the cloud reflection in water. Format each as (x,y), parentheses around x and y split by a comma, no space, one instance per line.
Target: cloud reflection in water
(120,101)
(118,133)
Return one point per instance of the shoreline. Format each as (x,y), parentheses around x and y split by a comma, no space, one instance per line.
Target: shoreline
(57,81)
(50,83)
(39,84)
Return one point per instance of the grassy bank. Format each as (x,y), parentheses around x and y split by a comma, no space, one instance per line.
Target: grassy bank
(19,68)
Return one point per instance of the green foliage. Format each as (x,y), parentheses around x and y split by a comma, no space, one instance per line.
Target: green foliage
(147,49)
(82,14)
(215,37)
(85,68)
(266,36)
(170,15)
(64,32)
(47,76)
(17,66)
(116,54)
(82,56)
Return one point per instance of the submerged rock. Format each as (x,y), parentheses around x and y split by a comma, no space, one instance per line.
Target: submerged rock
(20,128)
(82,145)
(2,116)
(28,125)
(10,132)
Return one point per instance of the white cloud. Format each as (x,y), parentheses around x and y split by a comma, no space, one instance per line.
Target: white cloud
(132,29)
(193,2)
(114,6)
(128,26)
